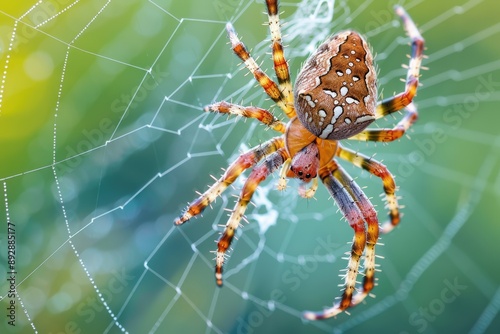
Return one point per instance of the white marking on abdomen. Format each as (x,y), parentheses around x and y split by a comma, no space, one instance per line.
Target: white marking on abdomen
(330,92)
(326,131)
(310,102)
(351,100)
(337,111)
(364,118)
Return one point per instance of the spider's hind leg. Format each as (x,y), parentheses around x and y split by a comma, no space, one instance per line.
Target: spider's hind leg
(280,64)
(372,233)
(336,185)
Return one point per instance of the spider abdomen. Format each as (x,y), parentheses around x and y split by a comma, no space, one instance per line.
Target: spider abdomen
(336,90)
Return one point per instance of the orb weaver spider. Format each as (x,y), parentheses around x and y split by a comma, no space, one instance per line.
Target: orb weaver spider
(335,98)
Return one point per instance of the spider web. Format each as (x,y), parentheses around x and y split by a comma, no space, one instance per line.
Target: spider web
(103,142)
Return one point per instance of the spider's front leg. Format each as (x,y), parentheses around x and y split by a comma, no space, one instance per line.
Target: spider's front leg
(258,174)
(244,161)
(280,64)
(262,115)
(272,89)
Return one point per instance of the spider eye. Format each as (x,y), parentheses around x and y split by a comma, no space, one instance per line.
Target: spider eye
(300,173)
(308,176)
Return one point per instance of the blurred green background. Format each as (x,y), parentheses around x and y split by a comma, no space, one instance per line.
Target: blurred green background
(103,142)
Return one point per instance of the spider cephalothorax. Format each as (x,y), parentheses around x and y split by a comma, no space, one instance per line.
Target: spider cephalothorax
(335,98)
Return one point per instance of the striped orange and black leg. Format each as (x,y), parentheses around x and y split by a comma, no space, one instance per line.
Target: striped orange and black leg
(258,174)
(262,115)
(355,219)
(387,135)
(270,87)
(372,232)
(244,161)
(378,169)
(403,99)
(280,63)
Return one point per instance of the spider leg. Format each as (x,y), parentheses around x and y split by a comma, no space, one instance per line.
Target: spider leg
(280,63)
(355,219)
(403,99)
(270,87)
(372,233)
(387,135)
(258,174)
(378,169)
(244,161)
(262,115)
